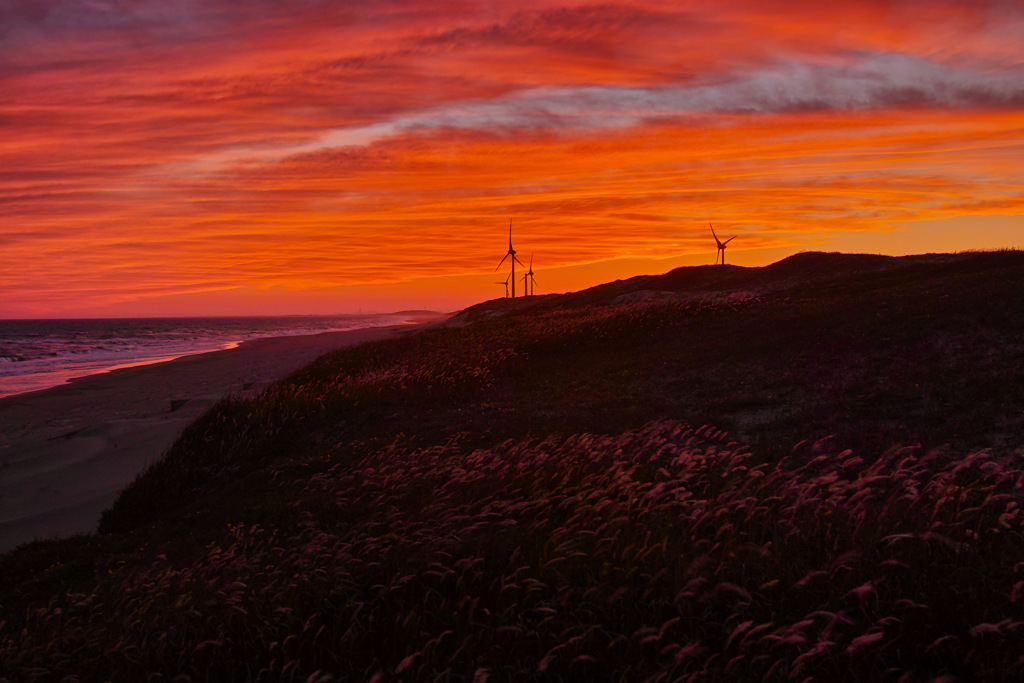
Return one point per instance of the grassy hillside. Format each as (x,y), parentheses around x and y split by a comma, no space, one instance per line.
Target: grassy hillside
(808,470)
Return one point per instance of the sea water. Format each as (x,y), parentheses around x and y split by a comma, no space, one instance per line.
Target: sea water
(38,354)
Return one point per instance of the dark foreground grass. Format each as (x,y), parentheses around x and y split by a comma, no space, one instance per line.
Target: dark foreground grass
(661,554)
(399,510)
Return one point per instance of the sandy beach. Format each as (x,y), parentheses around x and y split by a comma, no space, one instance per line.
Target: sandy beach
(66,452)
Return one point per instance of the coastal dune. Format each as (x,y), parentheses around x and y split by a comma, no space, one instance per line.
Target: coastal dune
(66,452)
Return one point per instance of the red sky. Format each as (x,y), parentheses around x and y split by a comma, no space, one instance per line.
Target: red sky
(255,156)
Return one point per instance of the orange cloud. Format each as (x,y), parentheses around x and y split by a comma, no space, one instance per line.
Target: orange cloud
(219,146)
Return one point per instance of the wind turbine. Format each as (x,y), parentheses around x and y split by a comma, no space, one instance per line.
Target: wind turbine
(512,253)
(529,276)
(721,245)
(504,283)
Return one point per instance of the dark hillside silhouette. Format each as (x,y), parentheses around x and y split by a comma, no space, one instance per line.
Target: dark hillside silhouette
(808,470)
(807,267)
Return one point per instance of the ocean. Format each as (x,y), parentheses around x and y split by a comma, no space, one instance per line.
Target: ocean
(38,354)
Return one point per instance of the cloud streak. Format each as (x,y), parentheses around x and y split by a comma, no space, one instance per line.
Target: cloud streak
(222,144)
(875,82)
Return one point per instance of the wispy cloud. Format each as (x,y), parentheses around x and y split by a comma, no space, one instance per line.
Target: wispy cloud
(154,147)
(873,81)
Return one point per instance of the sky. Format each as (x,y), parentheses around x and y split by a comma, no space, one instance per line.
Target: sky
(212,157)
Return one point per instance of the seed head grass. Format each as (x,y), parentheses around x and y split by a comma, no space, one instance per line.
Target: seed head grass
(663,553)
(533,497)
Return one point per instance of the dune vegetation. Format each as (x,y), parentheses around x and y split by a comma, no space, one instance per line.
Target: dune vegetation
(808,471)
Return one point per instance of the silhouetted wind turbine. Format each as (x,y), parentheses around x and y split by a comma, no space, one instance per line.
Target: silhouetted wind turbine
(529,276)
(721,245)
(506,285)
(512,253)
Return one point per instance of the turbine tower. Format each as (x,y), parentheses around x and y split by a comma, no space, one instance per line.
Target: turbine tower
(505,282)
(512,253)
(529,279)
(721,245)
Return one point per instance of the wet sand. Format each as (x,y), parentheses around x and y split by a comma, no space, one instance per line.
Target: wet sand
(66,452)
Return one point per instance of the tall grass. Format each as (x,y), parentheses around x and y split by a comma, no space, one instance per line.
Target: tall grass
(389,512)
(658,554)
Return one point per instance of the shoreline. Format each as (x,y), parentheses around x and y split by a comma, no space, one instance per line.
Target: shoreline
(43,379)
(67,451)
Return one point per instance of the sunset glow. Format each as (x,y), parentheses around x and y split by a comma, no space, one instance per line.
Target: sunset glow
(218,157)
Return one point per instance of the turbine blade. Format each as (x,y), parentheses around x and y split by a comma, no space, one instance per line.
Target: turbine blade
(729,240)
(717,241)
(518,261)
(502,261)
